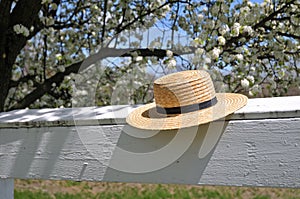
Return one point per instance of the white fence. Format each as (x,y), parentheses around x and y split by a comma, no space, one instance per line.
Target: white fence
(258,145)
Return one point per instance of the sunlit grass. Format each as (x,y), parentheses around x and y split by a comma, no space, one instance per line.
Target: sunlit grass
(89,190)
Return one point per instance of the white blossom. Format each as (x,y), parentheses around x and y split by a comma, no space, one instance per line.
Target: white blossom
(95,7)
(138,58)
(81,92)
(207,60)
(37,78)
(172,63)
(215,10)
(250,78)
(235,30)
(215,53)
(252,68)
(167,8)
(155,44)
(239,57)
(245,83)
(200,17)
(169,53)
(47,20)
(251,93)
(250,4)
(30,83)
(226,59)
(254,90)
(205,67)
(245,10)
(209,24)
(248,30)
(58,56)
(20,29)
(199,51)
(136,84)
(61,68)
(221,40)
(198,41)
(224,29)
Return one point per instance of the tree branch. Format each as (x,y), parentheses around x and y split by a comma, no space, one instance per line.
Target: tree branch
(271,16)
(104,22)
(288,35)
(119,29)
(46,86)
(23,79)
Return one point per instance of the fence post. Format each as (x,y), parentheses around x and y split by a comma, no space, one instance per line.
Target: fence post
(6,188)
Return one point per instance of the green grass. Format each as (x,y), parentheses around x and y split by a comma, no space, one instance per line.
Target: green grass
(262,197)
(85,190)
(158,193)
(32,195)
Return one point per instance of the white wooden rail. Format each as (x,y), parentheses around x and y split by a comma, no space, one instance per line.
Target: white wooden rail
(258,145)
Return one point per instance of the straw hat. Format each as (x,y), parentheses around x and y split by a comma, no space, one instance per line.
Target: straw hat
(184,99)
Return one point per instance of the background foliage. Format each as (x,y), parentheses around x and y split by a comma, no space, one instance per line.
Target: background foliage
(252,47)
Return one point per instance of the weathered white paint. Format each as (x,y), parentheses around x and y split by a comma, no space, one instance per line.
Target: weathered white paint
(259,146)
(260,108)
(6,188)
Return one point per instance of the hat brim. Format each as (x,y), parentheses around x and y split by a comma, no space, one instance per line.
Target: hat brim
(146,117)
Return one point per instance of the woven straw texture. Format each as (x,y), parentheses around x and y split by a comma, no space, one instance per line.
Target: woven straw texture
(182,89)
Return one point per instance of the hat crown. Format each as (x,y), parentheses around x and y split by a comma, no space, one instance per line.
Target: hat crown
(183,89)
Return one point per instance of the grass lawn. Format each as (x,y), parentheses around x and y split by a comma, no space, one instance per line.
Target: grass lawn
(45,189)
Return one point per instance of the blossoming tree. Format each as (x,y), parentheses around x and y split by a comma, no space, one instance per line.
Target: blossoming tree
(43,43)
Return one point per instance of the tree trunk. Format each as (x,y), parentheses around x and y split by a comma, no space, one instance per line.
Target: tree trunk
(5,75)
(24,12)
(5,67)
